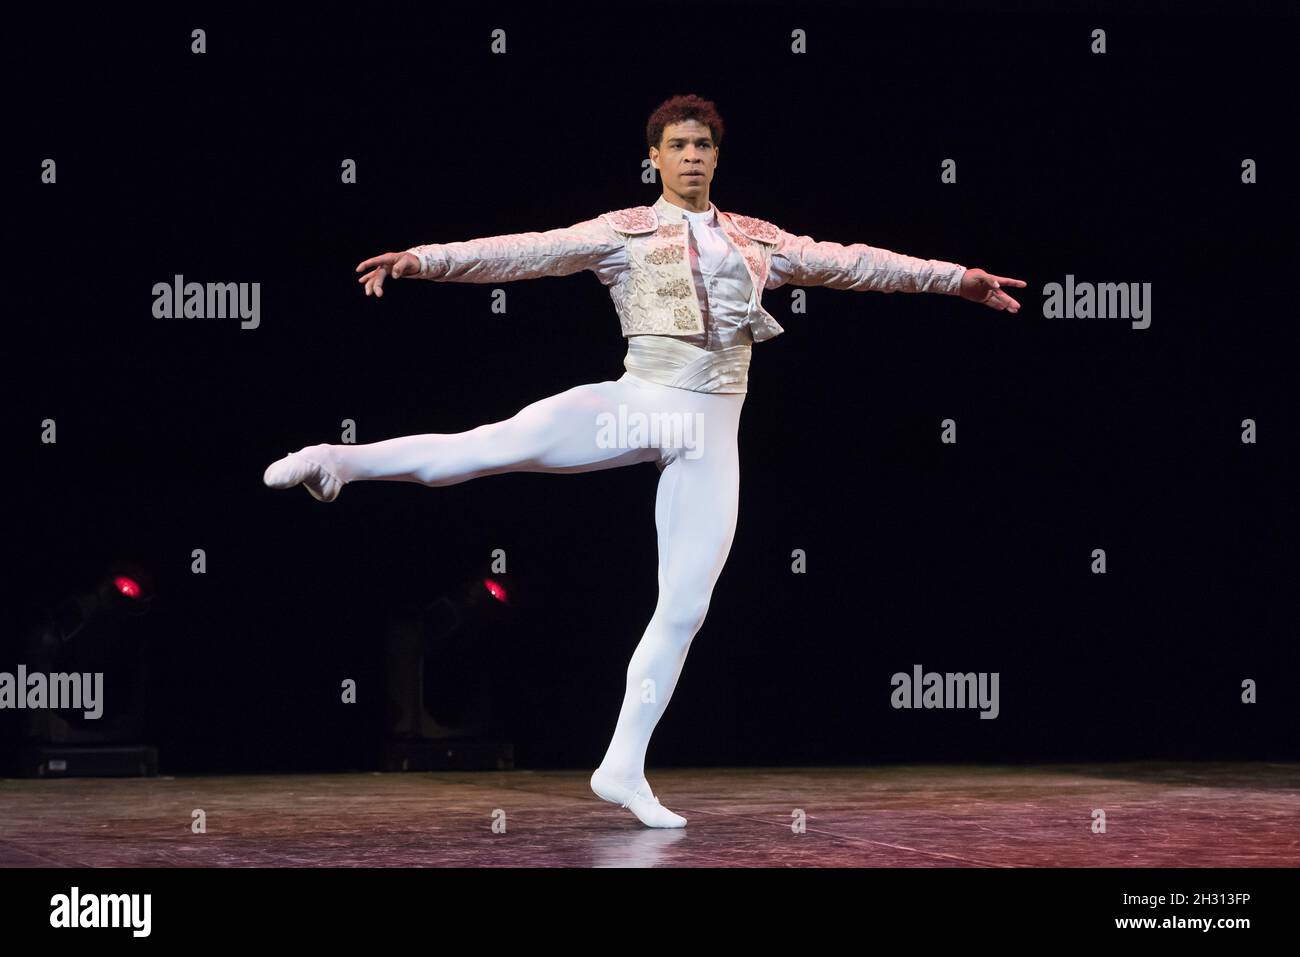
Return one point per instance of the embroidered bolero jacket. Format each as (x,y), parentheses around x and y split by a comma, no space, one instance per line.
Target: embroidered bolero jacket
(641,255)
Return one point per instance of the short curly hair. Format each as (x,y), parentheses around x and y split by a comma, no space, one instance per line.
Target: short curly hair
(678,109)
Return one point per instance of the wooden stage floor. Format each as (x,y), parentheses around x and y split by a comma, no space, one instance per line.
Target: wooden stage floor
(1157,814)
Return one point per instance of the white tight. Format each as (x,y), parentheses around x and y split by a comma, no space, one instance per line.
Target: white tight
(695,506)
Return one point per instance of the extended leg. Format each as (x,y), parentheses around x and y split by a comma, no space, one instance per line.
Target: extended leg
(560,433)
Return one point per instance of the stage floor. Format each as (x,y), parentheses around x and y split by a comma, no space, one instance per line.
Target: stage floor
(1184,815)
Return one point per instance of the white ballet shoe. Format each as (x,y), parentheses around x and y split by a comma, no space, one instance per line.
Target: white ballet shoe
(302,468)
(639,800)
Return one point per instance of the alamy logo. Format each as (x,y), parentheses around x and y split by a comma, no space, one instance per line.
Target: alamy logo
(1104,300)
(214,300)
(640,430)
(950,690)
(58,691)
(102,910)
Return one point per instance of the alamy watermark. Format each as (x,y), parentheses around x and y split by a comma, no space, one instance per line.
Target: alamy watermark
(75,909)
(59,691)
(640,430)
(1102,300)
(214,300)
(949,690)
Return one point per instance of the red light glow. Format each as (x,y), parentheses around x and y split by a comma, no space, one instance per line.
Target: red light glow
(127,586)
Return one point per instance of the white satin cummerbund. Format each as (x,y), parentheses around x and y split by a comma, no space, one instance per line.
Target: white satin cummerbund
(671,362)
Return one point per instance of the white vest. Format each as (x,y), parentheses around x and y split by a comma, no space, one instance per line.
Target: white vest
(657,293)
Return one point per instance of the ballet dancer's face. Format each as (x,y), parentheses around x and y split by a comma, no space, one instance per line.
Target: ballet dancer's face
(686,159)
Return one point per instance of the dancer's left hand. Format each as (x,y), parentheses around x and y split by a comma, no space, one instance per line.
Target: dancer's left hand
(979,286)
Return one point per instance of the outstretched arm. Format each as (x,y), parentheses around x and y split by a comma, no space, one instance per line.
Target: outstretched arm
(591,244)
(806,262)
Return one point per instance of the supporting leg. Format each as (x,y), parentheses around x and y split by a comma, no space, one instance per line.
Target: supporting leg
(695,515)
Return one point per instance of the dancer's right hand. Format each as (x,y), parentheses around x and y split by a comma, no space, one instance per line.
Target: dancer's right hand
(396,264)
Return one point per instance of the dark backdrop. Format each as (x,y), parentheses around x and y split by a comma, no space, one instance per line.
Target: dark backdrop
(1073,434)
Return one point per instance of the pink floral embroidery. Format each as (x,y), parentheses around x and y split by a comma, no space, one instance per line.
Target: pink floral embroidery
(634,219)
(759,229)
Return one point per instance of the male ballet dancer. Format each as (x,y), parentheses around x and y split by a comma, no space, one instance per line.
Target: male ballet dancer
(686,280)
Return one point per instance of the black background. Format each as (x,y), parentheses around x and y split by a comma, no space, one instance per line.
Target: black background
(1073,434)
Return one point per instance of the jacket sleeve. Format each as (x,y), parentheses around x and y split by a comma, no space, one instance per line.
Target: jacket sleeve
(591,244)
(805,262)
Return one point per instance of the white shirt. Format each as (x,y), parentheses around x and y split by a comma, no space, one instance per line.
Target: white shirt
(722,283)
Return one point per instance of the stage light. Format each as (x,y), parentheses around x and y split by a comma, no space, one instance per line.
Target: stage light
(440,709)
(91,634)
